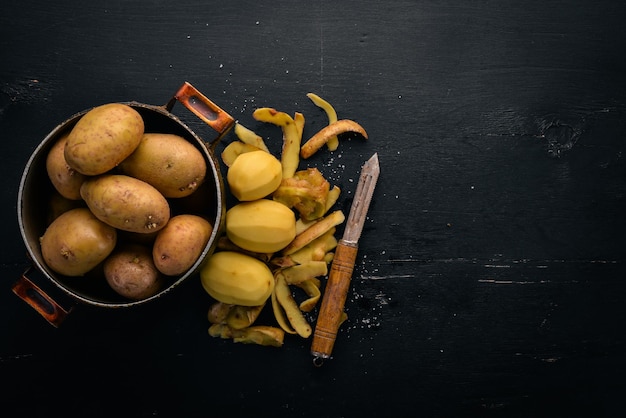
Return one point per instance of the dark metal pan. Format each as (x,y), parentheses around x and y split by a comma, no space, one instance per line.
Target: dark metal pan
(35,190)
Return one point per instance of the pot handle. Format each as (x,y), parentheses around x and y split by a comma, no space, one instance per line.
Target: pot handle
(39,300)
(204,108)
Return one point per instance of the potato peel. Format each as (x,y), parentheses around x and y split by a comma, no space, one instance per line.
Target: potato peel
(240,317)
(301,272)
(314,231)
(317,249)
(290,158)
(280,316)
(249,137)
(307,192)
(312,288)
(299,120)
(333,141)
(332,197)
(218,312)
(258,334)
(321,137)
(291,308)
(234,150)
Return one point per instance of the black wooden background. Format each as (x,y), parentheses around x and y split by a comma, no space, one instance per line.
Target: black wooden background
(491,274)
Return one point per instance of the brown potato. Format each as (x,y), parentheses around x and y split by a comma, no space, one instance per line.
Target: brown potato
(64,178)
(58,205)
(103,137)
(76,242)
(126,203)
(168,162)
(131,272)
(178,245)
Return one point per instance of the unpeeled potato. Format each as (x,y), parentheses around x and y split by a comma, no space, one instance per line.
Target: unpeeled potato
(168,162)
(103,137)
(64,178)
(179,245)
(76,242)
(131,272)
(126,203)
(58,205)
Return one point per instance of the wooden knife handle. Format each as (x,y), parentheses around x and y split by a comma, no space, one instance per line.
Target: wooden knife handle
(334,299)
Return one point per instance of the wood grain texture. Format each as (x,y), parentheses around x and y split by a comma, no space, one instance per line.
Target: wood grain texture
(490,275)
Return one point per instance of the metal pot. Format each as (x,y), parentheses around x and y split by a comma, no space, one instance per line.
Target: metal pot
(36,189)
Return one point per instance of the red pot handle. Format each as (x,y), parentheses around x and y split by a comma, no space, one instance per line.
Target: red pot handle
(39,300)
(214,116)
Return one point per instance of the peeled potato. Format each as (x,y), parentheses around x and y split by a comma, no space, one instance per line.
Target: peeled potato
(254,175)
(261,226)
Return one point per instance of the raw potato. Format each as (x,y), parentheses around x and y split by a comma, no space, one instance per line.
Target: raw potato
(261,226)
(103,137)
(76,242)
(131,273)
(126,203)
(170,163)
(58,205)
(64,178)
(254,175)
(237,279)
(179,244)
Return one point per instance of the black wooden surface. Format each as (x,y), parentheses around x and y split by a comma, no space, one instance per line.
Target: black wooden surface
(490,279)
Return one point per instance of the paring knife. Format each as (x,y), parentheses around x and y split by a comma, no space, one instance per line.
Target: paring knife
(340,275)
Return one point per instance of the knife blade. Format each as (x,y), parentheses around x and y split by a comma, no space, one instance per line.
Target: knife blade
(340,274)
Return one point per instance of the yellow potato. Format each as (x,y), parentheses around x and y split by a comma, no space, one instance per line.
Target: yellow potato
(58,205)
(262,226)
(170,163)
(254,175)
(102,138)
(64,178)
(237,279)
(126,203)
(76,242)
(179,244)
(131,272)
